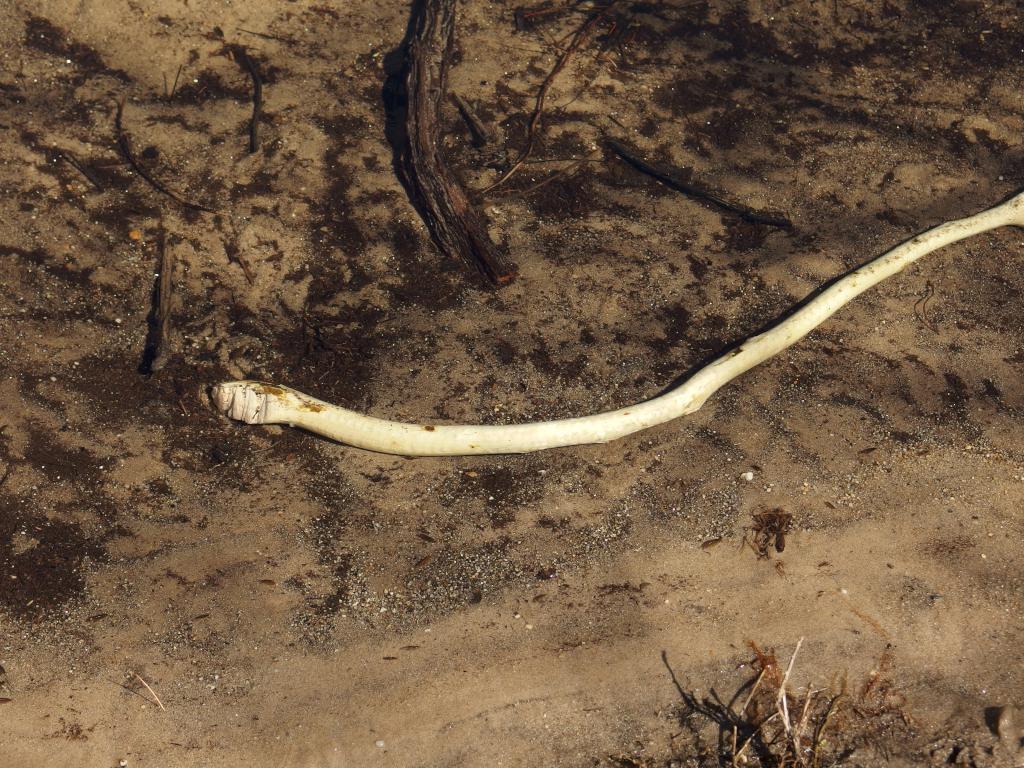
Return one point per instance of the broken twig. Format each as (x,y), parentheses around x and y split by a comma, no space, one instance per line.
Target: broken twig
(71,160)
(673,178)
(529,16)
(257,96)
(267,36)
(174,87)
(781,700)
(526,191)
(481,136)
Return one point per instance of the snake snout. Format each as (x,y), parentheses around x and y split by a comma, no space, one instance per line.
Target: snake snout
(240,401)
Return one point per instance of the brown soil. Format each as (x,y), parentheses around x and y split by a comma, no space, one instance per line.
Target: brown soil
(295,602)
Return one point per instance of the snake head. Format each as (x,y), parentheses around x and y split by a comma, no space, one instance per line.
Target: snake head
(242,400)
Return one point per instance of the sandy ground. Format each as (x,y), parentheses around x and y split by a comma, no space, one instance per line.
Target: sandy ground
(294,602)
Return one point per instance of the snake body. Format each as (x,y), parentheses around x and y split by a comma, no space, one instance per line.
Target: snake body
(259,403)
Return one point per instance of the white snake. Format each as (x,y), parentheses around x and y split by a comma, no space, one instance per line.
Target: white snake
(258,403)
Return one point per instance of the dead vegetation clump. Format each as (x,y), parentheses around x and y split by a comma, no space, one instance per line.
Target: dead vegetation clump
(768,722)
(769,530)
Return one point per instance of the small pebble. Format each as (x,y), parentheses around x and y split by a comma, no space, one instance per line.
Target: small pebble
(1009,729)
(379,743)
(747,477)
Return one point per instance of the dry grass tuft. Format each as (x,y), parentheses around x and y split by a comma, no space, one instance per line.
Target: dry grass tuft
(771,723)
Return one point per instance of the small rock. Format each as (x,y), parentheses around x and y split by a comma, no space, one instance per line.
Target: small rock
(1009,729)
(747,477)
(379,743)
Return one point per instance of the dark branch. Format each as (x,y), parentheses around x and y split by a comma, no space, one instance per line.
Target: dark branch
(415,99)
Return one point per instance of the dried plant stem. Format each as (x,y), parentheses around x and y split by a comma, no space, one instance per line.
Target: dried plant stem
(531,133)
(821,728)
(738,754)
(151,691)
(259,403)
(675,179)
(801,725)
(739,715)
(781,700)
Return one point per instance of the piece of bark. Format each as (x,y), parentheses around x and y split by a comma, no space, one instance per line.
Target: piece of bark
(156,353)
(458,228)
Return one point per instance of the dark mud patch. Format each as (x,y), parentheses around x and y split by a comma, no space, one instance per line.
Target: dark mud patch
(572,197)
(121,395)
(43,561)
(59,462)
(429,280)
(741,236)
(334,359)
(209,85)
(46,262)
(42,35)
(46,549)
(688,339)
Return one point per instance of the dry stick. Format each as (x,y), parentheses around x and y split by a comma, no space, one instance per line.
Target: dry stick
(71,160)
(175,86)
(821,729)
(751,737)
(267,36)
(457,227)
(151,691)
(155,355)
(739,715)
(126,150)
(802,723)
(257,96)
(581,34)
(781,701)
(527,16)
(481,136)
(673,178)
(258,403)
